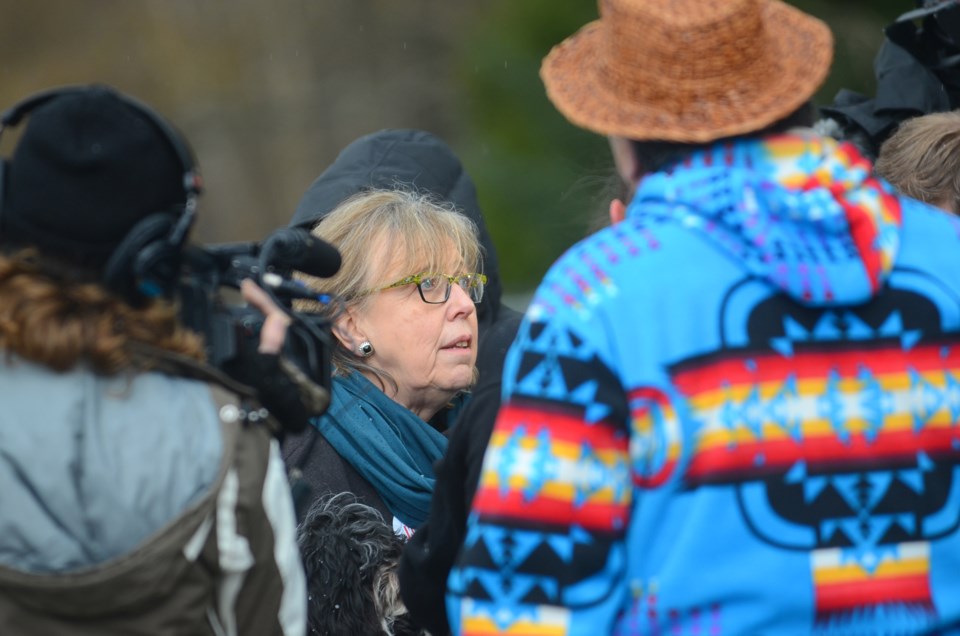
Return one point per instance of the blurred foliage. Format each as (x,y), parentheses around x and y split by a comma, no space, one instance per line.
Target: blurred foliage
(535,173)
(268,93)
(544,183)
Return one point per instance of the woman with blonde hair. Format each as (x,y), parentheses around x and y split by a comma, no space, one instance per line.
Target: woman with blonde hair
(406,346)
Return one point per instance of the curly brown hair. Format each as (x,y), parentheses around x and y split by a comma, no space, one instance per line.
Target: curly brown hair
(58,317)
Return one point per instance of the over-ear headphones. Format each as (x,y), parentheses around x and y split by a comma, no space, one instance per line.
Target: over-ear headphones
(146,262)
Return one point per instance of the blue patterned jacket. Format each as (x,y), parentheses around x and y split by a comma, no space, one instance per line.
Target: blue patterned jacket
(736,412)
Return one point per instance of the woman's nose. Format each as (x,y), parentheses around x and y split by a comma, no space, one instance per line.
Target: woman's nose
(460,303)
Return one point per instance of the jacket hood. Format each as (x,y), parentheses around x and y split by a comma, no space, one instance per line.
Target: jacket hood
(397,159)
(90,496)
(804,212)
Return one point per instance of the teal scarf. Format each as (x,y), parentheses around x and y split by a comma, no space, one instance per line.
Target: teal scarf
(387,444)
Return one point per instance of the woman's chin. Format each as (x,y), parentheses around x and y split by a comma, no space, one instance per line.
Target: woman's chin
(462,380)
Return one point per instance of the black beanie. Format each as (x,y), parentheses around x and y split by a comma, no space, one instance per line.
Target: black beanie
(87,168)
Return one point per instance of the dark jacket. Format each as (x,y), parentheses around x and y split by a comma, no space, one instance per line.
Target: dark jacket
(323,471)
(141,503)
(418,159)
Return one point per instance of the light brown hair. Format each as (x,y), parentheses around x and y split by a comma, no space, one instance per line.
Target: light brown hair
(52,316)
(412,228)
(922,159)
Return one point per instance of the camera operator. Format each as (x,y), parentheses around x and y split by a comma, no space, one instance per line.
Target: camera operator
(143,491)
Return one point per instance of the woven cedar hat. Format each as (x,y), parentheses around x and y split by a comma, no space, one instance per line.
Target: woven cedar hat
(688,70)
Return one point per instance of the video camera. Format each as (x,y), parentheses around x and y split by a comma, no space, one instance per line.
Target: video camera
(210,305)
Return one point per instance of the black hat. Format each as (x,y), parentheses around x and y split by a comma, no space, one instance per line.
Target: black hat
(89,166)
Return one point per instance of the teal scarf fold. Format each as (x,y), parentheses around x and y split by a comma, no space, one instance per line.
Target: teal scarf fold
(387,444)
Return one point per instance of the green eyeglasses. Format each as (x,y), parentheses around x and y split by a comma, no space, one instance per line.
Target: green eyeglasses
(435,288)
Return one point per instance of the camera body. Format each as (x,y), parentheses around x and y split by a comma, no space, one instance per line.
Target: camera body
(211,306)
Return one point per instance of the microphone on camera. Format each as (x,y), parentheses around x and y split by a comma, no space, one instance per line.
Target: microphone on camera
(292,288)
(295,248)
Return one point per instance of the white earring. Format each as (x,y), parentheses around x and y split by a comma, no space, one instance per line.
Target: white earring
(365,349)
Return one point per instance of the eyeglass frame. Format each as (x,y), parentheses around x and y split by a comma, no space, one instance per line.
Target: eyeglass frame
(417,279)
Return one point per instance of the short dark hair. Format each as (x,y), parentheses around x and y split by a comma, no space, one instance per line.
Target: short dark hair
(654,156)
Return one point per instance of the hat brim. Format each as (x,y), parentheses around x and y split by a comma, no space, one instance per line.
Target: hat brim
(800,46)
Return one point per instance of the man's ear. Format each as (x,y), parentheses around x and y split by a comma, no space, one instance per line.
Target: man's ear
(618,211)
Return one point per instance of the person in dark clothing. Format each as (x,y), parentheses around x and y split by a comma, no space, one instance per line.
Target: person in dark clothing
(418,159)
(143,490)
(916,72)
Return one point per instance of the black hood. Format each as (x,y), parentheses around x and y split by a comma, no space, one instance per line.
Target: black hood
(917,70)
(403,159)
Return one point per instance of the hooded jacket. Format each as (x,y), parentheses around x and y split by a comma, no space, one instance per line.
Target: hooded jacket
(140,503)
(405,158)
(417,159)
(735,412)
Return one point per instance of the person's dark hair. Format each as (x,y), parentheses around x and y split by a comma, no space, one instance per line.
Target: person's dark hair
(350,557)
(656,155)
(58,316)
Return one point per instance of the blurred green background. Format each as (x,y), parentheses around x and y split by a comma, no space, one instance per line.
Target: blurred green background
(268,92)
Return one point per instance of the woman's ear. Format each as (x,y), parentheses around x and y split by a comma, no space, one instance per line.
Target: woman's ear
(347,330)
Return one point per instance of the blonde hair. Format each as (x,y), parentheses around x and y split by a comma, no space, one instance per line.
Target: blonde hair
(922,158)
(410,228)
(50,316)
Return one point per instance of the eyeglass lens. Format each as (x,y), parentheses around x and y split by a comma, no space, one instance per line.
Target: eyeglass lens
(436,289)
